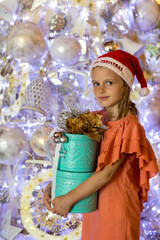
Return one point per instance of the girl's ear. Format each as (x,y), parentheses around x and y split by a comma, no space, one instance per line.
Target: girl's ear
(124,90)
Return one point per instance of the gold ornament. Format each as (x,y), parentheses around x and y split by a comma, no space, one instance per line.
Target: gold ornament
(57,23)
(86,123)
(110,45)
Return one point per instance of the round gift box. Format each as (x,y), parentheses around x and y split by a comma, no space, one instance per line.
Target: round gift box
(67,181)
(78,154)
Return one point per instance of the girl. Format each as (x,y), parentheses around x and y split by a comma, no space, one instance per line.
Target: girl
(126,160)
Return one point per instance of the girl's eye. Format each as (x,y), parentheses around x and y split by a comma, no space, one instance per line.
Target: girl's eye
(95,84)
(109,83)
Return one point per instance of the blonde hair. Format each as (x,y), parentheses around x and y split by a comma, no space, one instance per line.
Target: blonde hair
(126,104)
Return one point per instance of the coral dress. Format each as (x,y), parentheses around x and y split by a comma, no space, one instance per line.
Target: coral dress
(121,200)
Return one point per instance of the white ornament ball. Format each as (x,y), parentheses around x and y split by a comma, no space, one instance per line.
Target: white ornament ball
(26,42)
(146,14)
(13,144)
(65,50)
(38,140)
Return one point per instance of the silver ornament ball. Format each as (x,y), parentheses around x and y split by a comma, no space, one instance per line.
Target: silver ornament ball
(38,140)
(26,42)
(57,134)
(146,14)
(57,140)
(65,50)
(63,139)
(13,144)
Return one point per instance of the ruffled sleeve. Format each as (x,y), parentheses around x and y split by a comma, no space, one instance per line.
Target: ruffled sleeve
(129,138)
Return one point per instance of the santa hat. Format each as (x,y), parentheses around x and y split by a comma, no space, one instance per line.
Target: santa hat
(125,65)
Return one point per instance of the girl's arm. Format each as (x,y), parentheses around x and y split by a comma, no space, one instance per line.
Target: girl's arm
(63,204)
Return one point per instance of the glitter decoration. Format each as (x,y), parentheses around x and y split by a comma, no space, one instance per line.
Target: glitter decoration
(62,119)
(57,23)
(36,218)
(37,97)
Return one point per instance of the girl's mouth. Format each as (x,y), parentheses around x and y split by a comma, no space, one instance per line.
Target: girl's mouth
(103,98)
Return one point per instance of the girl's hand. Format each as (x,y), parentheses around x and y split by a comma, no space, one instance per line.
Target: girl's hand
(62,205)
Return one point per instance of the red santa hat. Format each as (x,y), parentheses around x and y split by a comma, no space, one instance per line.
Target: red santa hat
(125,65)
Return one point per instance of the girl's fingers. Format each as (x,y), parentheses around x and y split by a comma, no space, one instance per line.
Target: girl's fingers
(46,197)
(47,202)
(53,211)
(48,206)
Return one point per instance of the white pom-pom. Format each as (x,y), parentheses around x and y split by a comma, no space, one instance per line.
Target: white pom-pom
(144,92)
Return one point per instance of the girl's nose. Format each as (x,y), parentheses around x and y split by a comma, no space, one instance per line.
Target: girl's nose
(102,89)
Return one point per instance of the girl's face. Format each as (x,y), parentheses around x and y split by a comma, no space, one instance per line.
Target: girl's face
(108,87)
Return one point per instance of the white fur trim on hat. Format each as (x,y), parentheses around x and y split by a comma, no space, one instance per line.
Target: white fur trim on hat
(115,66)
(144,91)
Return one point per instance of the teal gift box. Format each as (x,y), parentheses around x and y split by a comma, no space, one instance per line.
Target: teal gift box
(77,162)
(67,181)
(78,154)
